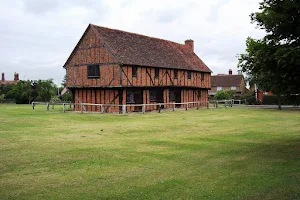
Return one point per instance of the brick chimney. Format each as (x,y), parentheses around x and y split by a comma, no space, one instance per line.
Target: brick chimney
(16,78)
(230,72)
(190,44)
(3,76)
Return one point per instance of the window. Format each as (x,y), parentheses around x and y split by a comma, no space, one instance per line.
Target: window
(130,97)
(175,73)
(219,88)
(153,95)
(156,73)
(202,76)
(199,95)
(233,87)
(93,71)
(189,74)
(134,71)
(171,95)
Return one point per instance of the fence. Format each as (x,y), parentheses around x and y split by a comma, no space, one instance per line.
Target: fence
(227,103)
(123,108)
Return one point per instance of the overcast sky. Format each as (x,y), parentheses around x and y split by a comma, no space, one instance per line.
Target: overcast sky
(37,36)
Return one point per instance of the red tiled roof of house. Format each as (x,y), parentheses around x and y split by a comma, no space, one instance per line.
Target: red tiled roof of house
(226,80)
(134,49)
(6,82)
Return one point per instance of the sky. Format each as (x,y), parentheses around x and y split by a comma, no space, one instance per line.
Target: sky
(37,36)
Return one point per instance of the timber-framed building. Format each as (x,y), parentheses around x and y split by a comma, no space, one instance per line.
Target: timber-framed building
(109,66)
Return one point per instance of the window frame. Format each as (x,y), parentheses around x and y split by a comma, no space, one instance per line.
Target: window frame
(172,94)
(134,69)
(130,100)
(153,93)
(93,71)
(156,72)
(202,76)
(189,75)
(175,74)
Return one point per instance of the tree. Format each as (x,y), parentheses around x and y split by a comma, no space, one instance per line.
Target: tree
(21,92)
(274,61)
(225,94)
(45,89)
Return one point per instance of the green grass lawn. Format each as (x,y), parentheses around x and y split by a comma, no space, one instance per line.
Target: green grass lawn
(234,153)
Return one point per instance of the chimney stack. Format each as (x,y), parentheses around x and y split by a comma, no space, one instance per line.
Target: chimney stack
(230,72)
(190,44)
(3,76)
(16,78)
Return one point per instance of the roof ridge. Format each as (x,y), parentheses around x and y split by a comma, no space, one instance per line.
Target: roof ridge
(138,34)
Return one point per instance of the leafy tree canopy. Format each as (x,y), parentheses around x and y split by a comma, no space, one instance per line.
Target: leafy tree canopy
(274,61)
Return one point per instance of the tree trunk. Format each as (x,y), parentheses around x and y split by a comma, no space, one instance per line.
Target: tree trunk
(279,101)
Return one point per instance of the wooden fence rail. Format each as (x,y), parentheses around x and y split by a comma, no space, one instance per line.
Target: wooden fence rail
(121,106)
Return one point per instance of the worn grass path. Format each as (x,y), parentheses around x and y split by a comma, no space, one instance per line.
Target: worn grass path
(235,153)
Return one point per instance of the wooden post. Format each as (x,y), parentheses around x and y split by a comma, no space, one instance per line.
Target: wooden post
(123,109)
(216,104)
(186,106)
(143,108)
(197,105)
(64,107)
(70,104)
(101,108)
(81,107)
(32,105)
(173,106)
(207,103)
(159,107)
(52,106)
(48,106)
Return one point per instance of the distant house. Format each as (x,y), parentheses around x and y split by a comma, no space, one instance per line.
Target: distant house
(228,82)
(110,66)
(3,81)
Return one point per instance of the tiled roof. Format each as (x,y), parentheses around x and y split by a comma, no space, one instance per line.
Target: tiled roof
(226,80)
(134,49)
(6,82)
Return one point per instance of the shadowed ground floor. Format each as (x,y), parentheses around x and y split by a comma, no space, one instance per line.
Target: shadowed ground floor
(136,96)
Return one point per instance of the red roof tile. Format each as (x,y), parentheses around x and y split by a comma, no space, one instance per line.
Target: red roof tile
(134,49)
(226,80)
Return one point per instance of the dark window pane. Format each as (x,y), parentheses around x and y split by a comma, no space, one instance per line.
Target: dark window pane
(93,71)
(171,95)
(129,97)
(134,71)
(153,95)
(156,73)
(189,74)
(175,73)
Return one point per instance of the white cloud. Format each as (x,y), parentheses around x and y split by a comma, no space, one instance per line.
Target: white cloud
(38,36)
